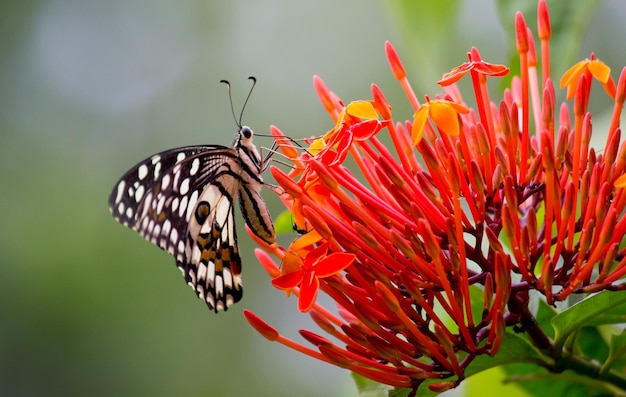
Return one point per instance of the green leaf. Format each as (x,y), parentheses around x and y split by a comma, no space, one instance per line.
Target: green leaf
(545,314)
(369,388)
(283,224)
(514,349)
(591,344)
(617,348)
(539,382)
(598,309)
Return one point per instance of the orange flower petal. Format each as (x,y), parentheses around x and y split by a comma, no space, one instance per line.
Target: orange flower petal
(292,261)
(455,74)
(316,146)
(333,264)
(599,70)
(308,293)
(445,117)
(419,123)
(365,129)
(490,69)
(315,255)
(362,109)
(572,74)
(305,241)
(289,280)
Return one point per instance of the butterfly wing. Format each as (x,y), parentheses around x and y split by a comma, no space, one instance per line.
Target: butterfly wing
(182,201)
(213,267)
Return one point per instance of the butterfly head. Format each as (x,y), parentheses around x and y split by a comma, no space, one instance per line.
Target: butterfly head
(245,132)
(244,137)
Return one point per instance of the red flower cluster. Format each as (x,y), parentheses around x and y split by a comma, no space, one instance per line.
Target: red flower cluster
(430,248)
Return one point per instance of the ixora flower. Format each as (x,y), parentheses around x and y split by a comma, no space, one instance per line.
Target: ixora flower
(434,246)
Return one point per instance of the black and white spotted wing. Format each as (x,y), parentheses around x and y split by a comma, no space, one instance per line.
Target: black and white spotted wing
(182,200)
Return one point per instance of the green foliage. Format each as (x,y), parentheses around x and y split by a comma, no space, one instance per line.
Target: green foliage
(283,223)
(599,309)
(369,388)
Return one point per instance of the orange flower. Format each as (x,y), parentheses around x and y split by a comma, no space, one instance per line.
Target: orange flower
(444,115)
(357,121)
(481,67)
(308,271)
(402,241)
(590,67)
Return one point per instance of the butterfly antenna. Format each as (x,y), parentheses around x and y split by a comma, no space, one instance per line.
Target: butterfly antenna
(248,97)
(230,98)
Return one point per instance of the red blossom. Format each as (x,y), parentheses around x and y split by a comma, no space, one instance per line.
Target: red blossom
(306,273)
(430,247)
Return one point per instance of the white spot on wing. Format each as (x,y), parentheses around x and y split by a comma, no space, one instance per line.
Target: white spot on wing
(237,281)
(174,236)
(167,225)
(176,172)
(139,193)
(202,269)
(184,186)
(157,170)
(228,278)
(180,157)
(192,203)
(219,286)
(195,254)
(142,171)
(195,165)
(222,211)
(120,191)
(160,203)
(211,273)
(183,206)
(165,182)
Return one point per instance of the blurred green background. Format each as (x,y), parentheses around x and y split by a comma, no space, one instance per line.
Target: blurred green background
(89,88)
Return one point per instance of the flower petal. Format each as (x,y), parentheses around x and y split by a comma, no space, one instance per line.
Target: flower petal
(365,129)
(315,255)
(308,293)
(292,261)
(316,146)
(305,241)
(572,74)
(419,123)
(445,117)
(333,263)
(362,109)
(343,147)
(289,280)
(599,70)
(455,74)
(490,69)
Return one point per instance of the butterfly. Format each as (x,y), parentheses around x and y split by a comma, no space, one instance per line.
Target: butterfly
(183,200)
